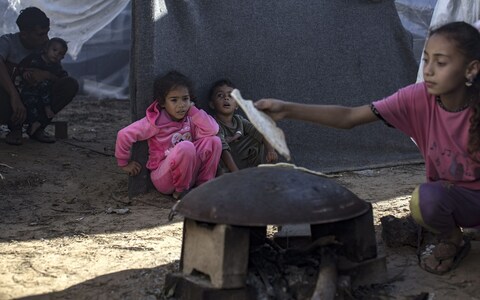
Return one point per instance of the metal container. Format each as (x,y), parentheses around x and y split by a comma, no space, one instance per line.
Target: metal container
(271,196)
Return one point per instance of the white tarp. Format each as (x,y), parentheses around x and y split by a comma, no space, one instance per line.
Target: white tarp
(415,15)
(98,36)
(73,20)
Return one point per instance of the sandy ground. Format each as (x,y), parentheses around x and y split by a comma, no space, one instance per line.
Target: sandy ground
(59,241)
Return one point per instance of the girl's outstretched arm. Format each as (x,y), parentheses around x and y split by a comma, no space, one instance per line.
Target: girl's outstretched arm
(329,115)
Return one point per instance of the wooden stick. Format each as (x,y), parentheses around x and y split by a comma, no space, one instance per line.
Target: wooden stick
(326,286)
(5,165)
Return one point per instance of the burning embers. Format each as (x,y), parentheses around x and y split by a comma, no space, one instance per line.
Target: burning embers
(226,253)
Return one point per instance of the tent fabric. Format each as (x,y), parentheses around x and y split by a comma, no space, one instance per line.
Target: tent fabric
(330,52)
(75,21)
(415,16)
(100,53)
(98,35)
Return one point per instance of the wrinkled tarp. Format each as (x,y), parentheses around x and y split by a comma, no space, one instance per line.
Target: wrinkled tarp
(98,35)
(73,20)
(415,16)
(315,52)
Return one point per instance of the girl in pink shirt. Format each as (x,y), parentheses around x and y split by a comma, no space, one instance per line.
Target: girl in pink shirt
(184,150)
(442,116)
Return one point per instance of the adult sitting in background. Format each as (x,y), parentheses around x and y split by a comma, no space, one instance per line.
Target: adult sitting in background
(33,27)
(37,97)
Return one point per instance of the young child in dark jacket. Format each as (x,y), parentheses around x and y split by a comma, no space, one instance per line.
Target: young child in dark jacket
(37,96)
(243,146)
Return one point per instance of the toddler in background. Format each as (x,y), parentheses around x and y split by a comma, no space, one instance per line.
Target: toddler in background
(37,96)
(184,149)
(243,146)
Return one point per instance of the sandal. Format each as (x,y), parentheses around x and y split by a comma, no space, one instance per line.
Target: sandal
(41,136)
(14,137)
(443,257)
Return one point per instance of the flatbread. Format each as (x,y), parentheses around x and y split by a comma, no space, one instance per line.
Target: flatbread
(264,124)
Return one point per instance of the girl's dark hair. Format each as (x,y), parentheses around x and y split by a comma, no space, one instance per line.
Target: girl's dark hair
(219,83)
(169,81)
(57,40)
(31,17)
(467,40)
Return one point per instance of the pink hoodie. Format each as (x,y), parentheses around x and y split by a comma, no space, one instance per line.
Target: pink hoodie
(162,133)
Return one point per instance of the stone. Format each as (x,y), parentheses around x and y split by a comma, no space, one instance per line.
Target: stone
(218,251)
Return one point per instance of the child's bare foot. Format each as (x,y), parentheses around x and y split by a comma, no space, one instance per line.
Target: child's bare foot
(179,195)
(175,195)
(33,128)
(49,112)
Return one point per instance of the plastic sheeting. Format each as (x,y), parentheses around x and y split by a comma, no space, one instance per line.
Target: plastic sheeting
(415,16)
(99,31)
(76,21)
(315,51)
(98,35)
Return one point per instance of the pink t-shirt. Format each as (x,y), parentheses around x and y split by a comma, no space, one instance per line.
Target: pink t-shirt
(441,136)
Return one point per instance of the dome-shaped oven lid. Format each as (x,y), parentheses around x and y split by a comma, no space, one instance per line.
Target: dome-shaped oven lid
(271,196)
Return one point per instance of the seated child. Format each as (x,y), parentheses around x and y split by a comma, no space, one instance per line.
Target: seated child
(37,96)
(243,146)
(184,149)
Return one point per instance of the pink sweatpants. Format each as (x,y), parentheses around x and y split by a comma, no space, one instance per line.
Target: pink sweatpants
(187,165)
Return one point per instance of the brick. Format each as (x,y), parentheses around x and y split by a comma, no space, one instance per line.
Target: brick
(217,250)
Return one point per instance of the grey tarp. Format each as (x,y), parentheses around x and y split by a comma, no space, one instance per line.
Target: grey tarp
(331,52)
(102,64)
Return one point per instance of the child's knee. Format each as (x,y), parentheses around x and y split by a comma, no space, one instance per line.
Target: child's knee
(211,144)
(185,148)
(424,204)
(216,146)
(210,147)
(415,206)
(213,141)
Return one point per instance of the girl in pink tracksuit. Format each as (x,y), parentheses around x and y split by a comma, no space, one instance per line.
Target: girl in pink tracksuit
(184,150)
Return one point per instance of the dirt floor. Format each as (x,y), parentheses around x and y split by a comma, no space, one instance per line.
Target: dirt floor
(60,237)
